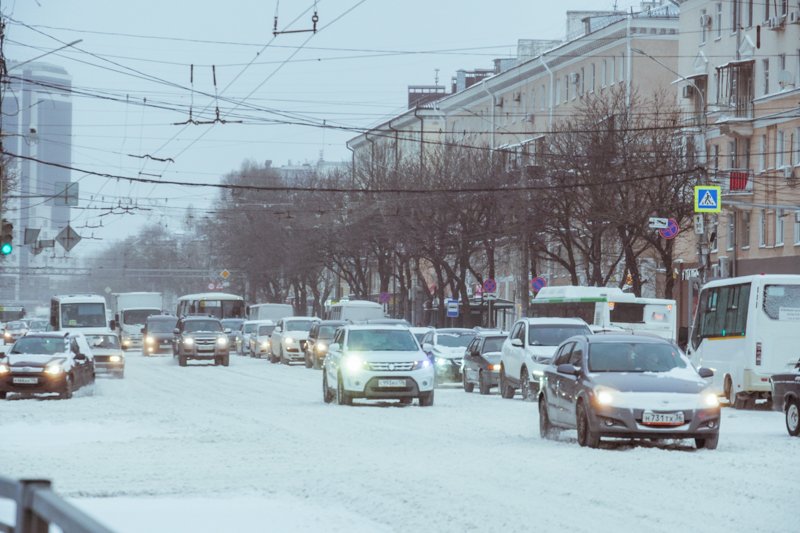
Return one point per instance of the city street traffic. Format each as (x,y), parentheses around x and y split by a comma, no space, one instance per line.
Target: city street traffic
(253,447)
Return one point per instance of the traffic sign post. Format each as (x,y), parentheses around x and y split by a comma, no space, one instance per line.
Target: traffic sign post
(707,199)
(68,238)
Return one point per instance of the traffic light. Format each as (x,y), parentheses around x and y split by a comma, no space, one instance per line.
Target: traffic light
(6,236)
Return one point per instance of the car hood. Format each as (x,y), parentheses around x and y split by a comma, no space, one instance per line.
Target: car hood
(449,353)
(161,335)
(300,335)
(680,381)
(388,357)
(107,351)
(541,352)
(30,359)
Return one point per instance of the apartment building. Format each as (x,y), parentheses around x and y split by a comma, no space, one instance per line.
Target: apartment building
(740,67)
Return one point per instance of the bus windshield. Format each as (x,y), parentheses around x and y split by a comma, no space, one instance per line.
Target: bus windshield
(83,315)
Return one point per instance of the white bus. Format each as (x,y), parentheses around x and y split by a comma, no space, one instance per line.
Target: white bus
(608,307)
(747,329)
(355,310)
(272,312)
(79,312)
(216,304)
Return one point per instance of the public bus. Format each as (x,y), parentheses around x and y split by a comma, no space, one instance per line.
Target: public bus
(9,313)
(746,329)
(216,304)
(608,307)
(355,310)
(79,312)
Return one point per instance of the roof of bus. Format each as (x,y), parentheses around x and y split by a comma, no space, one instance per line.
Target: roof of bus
(790,279)
(586,294)
(210,296)
(357,303)
(77,298)
(270,304)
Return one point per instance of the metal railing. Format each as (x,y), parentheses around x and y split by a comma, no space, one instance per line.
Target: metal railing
(38,507)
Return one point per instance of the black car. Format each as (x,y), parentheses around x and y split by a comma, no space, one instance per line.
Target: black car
(319,338)
(157,334)
(627,386)
(201,338)
(482,361)
(786,398)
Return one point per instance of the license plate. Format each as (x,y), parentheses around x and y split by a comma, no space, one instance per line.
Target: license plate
(662,419)
(25,381)
(391,383)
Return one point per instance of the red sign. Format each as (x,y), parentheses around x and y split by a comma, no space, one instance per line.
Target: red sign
(738,180)
(671,231)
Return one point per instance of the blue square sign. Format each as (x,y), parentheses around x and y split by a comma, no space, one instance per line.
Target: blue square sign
(707,199)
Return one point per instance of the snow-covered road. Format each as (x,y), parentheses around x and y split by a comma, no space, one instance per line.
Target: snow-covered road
(253,447)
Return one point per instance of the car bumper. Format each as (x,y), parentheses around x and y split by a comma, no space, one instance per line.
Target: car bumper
(293,353)
(153,349)
(203,355)
(367,384)
(448,370)
(627,423)
(44,383)
(109,367)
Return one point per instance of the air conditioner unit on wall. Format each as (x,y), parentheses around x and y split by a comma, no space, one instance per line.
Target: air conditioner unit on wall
(705,21)
(789,172)
(575,78)
(688,91)
(776,22)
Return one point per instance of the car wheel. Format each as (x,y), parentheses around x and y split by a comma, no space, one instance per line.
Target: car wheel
(483,383)
(468,386)
(327,395)
(735,399)
(307,361)
(342,398)
(546,429)
(226,360)
(506,390)
(315,363)
(525,385)
(120,374)
(182,360)
(709,443)
(3,395)
(406,401)
(793,417)
(586,437)
(426,399)
(66,394)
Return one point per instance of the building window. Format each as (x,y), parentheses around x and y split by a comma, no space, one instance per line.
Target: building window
(735,88)
(796,157)
(797,227)
(703,31)
(784,7)
(745,229)
(779,227)
(593,78)
(749,13)
(557,91)
(766,10)
(612,63)
(746,152)
(718,19)
(715,159)
(622,67)
(603,74)
(734,15)
(762,152)
(762,228)
(765,66)
(566,89)
(732,230)
(779,150)
(582,81)
(714,239)
(733,159)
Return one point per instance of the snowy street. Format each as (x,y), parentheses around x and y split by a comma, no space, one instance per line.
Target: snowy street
(253,447)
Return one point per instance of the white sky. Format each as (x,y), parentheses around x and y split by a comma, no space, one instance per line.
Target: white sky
(354,88)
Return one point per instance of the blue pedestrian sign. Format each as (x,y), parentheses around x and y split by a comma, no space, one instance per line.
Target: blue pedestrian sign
(707,199)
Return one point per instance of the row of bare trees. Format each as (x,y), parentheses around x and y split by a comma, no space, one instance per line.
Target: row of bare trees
(425,228)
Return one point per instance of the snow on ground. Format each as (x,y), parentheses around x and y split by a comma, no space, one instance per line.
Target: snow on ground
(253,447)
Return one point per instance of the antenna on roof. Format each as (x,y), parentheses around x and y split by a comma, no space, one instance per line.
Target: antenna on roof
(436,77)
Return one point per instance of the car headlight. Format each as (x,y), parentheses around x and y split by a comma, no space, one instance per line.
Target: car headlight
(289,340)
(265,345)
(425,363)
(188,341)
(710,399)
(495,368)
(604,396)
(222,341)
(321,347)
(353,363)
(115,358)
(7,335)
(149,340)
(54,369)
(440,361)
(4,368)
(537,373)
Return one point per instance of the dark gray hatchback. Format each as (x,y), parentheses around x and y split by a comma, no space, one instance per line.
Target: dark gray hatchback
(627,386)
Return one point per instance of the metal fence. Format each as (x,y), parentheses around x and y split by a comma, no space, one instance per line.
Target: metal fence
(38,507)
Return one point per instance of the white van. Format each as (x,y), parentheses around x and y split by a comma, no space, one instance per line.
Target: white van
(272,312)
(356,311)
(746,329)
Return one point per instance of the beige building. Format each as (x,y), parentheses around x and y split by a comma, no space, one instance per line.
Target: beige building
(740,77)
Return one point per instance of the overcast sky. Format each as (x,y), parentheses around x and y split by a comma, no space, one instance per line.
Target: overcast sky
(354,72)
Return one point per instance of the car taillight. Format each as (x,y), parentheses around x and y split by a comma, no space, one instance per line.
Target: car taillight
(758,354)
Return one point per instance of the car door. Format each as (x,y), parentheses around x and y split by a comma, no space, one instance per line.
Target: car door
(554,383)
(275,339)
(428,340)
(471,362)
(570,384)
(79,363)
(516,351)
(334,357)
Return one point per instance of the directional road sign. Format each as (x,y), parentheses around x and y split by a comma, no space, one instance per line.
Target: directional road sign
(671,231)
(68,238)
(659,223)
(707,199)
(452,308)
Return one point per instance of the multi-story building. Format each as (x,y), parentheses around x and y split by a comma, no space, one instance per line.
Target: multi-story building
(740,77)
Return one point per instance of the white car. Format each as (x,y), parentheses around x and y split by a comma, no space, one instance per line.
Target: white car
(446,347)
(288,340)
(108,355)
(248,327)
(376,362)
(528,350)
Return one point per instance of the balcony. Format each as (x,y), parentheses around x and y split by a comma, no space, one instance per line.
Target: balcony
(735,181)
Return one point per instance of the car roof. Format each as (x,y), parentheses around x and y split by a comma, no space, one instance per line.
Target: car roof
(301,318)
(52,334)
(627,339)
(492,334)
(377,327)
(194,318)
(456,330)
(332,322)
(162,317)
(554,320)
(264,321)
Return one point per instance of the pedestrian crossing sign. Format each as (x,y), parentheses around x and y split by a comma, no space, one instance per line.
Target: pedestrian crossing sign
(707,199)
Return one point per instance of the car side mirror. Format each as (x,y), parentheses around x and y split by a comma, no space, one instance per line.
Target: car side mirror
(176,331)
(144,330)
(705,373)
(335,347)
(566,368)
(112,324)
(427,347)
(517,343)
(80,357)
(277,330)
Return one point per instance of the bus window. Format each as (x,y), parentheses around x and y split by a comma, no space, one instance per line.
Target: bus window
(627,313)
(583,310)
(782,302)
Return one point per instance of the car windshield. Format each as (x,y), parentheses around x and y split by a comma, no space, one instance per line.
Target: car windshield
(16,325)
(492,344)
(133,317)
(39,325)
(381,340)
(299,325)
(265,330)
(103,341)
(634,357)
(539,335)
(83,315)
(161,326)
(454,340)
(202,325)
(232,323)
(249,328)
(40,345)
(326,332)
